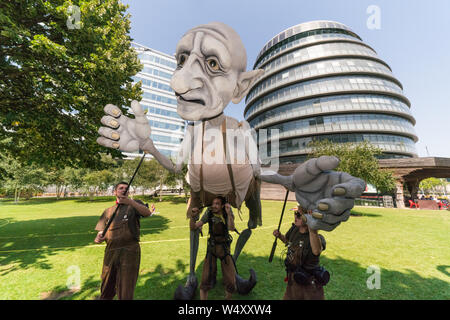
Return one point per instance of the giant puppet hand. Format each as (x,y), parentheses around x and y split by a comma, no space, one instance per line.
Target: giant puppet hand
(330,195)
(124,133)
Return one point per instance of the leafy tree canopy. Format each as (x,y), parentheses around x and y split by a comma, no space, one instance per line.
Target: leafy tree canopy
(58,73)
(357,159)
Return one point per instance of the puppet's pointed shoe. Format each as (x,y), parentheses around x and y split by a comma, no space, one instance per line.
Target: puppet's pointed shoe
(244,286)
(188,291)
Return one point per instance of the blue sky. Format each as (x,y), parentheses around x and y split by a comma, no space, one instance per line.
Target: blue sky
(413,38)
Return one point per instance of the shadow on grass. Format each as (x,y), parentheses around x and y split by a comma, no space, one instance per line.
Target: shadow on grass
(33,201)
(444,269)
(348,281)
(95,199)
(355,213)
(29,243)
(89,288)
(173,199)
(49,200)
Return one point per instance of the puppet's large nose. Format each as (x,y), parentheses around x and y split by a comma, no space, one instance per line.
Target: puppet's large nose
(188,77)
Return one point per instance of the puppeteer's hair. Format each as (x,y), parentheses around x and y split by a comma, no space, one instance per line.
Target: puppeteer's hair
(222,199)
(121,182)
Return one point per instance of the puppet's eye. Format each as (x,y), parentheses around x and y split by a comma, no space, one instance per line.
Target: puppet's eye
(181,60)
(213,64)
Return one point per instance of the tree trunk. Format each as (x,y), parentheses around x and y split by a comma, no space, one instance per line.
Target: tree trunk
(160,189)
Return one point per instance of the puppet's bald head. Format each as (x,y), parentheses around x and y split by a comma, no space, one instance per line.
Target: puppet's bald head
(211,71)
(227,35)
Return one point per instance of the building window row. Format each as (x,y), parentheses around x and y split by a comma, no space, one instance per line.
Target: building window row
(339,118)
(307,41)
(153,84)
(153,58)
(340,123)
(387,143)
(325,50)
(162,112)
(323,86)
(165,139)
(298,36)
(331,104)
(303,158)
(319,68)
(158,98)
(299,144)
(166,126)
(156,72)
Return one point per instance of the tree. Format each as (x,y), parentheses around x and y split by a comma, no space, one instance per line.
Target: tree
(55,176)
(431,183)
(177,177)
(96,181)
(56,78)
(22,179)
(357,159)
(146,177)
(74,177)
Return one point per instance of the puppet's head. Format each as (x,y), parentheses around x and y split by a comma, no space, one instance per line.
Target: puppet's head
(211,72)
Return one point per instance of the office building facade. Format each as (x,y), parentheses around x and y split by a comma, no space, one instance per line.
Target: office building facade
(159,100)
(322,81)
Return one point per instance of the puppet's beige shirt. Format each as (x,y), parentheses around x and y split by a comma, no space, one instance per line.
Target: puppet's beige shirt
(216,178)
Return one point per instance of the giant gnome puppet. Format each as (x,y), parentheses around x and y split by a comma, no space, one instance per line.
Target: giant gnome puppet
(211,72)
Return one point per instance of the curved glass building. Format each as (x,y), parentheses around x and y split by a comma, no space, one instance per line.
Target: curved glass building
(322,81)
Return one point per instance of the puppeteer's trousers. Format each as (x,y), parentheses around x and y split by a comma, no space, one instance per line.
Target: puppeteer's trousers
(210,270)
(295,291)
(120,272)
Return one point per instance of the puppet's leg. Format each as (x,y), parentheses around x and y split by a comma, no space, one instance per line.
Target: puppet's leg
(253,204)
(188,291)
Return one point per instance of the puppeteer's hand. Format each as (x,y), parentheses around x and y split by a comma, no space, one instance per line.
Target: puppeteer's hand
(124,200)
(329,194)
(123,133)
(99,238)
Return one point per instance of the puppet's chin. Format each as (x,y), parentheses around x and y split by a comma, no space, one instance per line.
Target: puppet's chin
(196,111)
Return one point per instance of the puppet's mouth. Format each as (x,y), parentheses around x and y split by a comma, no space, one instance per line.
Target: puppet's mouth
(198,101)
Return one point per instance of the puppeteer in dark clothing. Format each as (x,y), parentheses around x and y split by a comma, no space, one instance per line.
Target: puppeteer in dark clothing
(305,278)
(219,243)
(122,253)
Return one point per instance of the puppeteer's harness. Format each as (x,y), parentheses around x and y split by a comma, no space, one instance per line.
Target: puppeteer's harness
(222,239)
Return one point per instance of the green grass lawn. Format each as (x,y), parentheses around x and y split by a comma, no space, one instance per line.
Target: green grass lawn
(41,239)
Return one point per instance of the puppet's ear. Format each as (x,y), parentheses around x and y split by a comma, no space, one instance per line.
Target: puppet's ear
(245,81)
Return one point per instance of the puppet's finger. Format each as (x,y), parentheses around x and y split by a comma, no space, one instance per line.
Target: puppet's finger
(109,133)
(112,110)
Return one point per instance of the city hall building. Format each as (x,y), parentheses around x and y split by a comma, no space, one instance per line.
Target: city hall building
(159,100)
(322,81)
